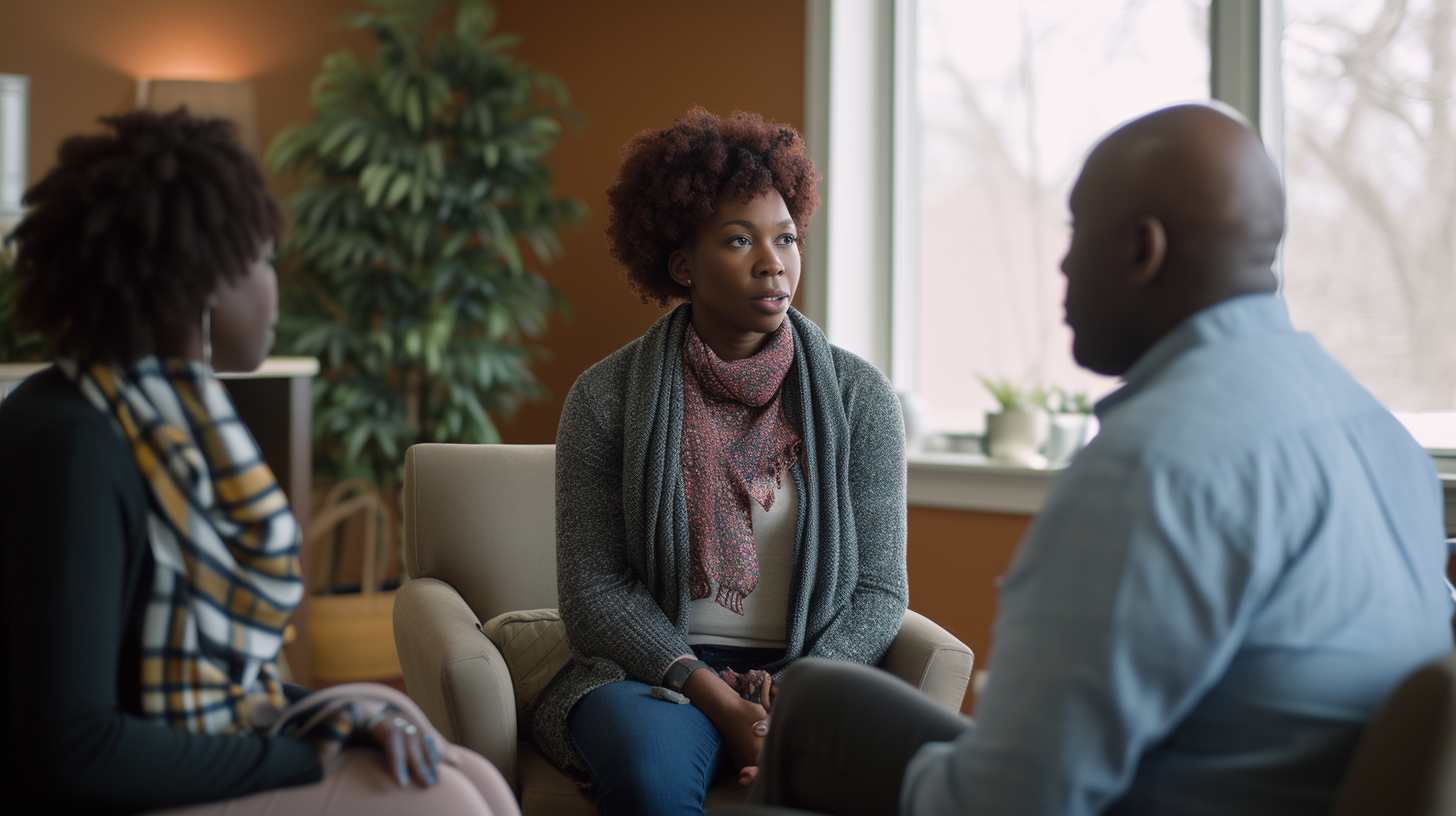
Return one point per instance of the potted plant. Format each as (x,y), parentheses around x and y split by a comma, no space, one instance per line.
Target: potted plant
(419,177)
(14,347)
(422,168)
(1070,426)
(1016,431)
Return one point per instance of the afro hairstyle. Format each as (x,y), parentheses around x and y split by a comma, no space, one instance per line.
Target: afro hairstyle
(134,228)
(672,178)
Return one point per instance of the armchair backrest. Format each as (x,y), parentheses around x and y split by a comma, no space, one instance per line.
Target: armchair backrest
(1406,760)
(482,518)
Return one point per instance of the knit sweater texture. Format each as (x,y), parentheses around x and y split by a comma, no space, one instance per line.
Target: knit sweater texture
(623,558)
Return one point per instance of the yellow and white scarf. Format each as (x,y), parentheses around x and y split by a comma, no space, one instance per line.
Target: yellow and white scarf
(225,544)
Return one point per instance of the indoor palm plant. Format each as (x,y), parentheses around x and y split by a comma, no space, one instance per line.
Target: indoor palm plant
(422,168)
(419,177)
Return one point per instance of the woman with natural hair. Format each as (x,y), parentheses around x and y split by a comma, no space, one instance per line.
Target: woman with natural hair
(730,488)
(150,562)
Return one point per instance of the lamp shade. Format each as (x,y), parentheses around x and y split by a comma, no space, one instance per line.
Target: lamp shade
(14,118)
(226,100)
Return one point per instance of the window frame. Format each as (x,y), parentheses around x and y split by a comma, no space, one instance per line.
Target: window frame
(860,256)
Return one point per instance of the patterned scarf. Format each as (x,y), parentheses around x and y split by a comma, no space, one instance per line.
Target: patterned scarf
(225,544)
(735,446)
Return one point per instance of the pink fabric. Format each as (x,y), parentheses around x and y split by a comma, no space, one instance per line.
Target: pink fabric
(358,784)
(735,446)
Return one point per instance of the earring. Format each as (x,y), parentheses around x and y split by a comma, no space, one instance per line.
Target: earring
(207,337)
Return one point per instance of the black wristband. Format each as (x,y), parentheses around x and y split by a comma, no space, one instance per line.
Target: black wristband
(677,674)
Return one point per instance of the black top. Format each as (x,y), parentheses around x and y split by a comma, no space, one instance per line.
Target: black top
(75,570)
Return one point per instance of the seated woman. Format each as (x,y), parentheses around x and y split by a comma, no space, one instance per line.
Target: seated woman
(730,488)
(150,562)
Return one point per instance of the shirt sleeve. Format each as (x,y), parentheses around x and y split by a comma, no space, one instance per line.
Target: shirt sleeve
(65,569)
(1122,607)
(606,607)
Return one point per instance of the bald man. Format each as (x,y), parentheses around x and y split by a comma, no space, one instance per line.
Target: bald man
(1219,590)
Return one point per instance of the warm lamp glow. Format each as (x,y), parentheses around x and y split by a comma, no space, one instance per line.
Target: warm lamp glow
(226,100)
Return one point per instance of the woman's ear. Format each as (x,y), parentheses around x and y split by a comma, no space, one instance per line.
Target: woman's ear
(679,269)
(1150,246)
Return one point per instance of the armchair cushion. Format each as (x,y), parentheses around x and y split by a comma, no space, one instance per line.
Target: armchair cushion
(533,643)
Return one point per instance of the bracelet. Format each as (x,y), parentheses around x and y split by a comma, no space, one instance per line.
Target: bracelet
(677,674)
(378,718)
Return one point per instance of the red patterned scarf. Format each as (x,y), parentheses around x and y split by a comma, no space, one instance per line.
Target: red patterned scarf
(735,446)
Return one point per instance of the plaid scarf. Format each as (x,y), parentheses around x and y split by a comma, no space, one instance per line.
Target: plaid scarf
(225,544)
(735,445)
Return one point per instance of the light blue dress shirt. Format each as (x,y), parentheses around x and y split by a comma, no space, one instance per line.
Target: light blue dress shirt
(1217,594)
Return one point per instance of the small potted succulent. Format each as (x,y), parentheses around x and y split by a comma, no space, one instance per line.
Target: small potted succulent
(1071,425)
(1015,433)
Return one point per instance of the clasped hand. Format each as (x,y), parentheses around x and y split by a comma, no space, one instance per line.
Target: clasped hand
(410,754)
(741,723)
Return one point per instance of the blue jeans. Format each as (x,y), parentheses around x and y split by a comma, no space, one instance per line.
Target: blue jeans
(649,756)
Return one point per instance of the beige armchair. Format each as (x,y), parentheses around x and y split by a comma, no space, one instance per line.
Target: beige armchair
(479,540)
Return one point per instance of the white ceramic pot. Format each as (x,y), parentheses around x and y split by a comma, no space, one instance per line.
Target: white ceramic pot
(1066,436)
(1013,435)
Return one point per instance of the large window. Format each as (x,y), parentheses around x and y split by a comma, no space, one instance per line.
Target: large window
(1010,96)
(1370,159)
(994,105)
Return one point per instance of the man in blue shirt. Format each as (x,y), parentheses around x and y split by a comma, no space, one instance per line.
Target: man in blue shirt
(1222,586)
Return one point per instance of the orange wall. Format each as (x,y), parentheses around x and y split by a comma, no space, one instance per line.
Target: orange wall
(954,559)
(84,57)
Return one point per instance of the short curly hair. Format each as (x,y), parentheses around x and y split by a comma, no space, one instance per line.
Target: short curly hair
(129,234)
(671,179)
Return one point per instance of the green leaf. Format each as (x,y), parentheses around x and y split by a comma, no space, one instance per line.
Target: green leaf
(505,242)
(435,159)
(453,244)
(355,149)
(398,188)
(473,19)
(415,108)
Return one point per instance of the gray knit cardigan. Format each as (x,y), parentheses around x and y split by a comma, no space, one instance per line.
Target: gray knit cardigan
(622,552)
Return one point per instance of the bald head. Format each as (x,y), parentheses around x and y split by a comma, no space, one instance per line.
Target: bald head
(1172,213)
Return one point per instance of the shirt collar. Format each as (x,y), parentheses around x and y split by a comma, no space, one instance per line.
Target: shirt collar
(1226,320)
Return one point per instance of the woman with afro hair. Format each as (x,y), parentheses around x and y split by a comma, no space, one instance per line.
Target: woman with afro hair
(150,562)
(730,488)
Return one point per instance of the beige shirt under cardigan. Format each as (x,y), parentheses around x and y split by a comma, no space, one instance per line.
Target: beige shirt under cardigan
(764,622)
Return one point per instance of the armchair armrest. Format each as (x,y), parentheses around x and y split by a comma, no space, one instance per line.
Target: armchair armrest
(455,674)
(931,659)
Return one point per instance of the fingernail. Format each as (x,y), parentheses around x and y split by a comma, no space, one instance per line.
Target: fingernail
(403,775)
(431,777)
(434,752)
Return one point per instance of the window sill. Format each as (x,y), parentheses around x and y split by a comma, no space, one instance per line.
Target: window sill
(971,481)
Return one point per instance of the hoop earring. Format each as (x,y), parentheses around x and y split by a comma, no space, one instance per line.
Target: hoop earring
(207,337)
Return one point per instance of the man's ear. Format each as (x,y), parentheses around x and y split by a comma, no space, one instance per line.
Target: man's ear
(1150,247)
(679,270)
